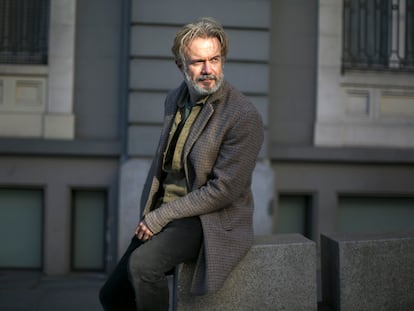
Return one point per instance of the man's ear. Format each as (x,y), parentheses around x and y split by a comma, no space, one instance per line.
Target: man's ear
(179,64)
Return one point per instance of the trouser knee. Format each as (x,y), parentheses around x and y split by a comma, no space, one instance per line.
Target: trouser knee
(143,268)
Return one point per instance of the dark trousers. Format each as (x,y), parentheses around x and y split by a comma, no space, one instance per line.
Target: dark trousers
(139,280)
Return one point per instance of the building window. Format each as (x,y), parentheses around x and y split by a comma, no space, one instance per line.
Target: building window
(24,26)
(378,34)
(21,228)
(88,229)
(294,214)
(375,214)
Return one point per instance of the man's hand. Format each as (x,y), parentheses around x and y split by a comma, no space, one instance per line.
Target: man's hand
(142,232)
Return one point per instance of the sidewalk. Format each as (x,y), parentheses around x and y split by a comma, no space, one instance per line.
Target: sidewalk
(33,291)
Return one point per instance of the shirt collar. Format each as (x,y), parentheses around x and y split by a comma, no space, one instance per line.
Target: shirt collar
(184,99)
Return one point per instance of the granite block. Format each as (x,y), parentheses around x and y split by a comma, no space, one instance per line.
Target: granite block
(278,273)
(368,271)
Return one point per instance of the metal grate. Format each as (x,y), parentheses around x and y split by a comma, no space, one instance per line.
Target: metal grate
(24,29)
(378,34)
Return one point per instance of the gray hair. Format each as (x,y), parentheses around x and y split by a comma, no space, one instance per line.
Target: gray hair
(205,27)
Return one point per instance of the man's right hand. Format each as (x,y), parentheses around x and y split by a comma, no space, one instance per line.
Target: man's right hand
(142,232)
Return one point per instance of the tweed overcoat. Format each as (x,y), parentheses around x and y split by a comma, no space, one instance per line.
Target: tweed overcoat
(218,158)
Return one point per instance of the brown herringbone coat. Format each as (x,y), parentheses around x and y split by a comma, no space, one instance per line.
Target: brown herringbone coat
(219,158)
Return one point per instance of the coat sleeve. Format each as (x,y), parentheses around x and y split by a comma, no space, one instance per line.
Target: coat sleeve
(229,179)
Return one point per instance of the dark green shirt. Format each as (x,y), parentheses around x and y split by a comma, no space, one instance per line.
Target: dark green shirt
(174,183)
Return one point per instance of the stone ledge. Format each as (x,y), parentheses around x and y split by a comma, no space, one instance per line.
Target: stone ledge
(278,273)
(368,272)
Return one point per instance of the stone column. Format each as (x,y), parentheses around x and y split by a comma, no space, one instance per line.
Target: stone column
(59,120)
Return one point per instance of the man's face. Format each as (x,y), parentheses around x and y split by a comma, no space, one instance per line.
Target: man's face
(203,66)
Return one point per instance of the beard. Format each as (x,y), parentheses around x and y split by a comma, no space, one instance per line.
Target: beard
(197,90)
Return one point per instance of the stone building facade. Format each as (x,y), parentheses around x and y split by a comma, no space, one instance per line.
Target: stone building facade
(77,132)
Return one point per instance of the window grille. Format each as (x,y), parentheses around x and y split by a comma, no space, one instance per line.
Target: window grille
(24,29)
(378,34)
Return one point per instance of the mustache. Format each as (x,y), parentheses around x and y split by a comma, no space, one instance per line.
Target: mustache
(206,77)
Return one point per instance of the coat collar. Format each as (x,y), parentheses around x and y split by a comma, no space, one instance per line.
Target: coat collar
(203,117)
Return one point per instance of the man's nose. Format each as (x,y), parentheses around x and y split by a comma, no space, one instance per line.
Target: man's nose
(207,67)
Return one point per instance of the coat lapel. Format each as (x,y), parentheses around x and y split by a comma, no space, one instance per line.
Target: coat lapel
(171,109)
(198,127)
(201,121)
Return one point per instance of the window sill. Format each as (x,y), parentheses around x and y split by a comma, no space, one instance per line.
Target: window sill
(38,70)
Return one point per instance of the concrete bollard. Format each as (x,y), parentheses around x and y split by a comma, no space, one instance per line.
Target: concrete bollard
(368,272)
(278,273)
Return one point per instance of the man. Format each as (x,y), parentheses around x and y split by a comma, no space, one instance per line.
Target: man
(197,203)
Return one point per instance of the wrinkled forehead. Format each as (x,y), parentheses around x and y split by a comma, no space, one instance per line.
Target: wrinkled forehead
(203,47)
